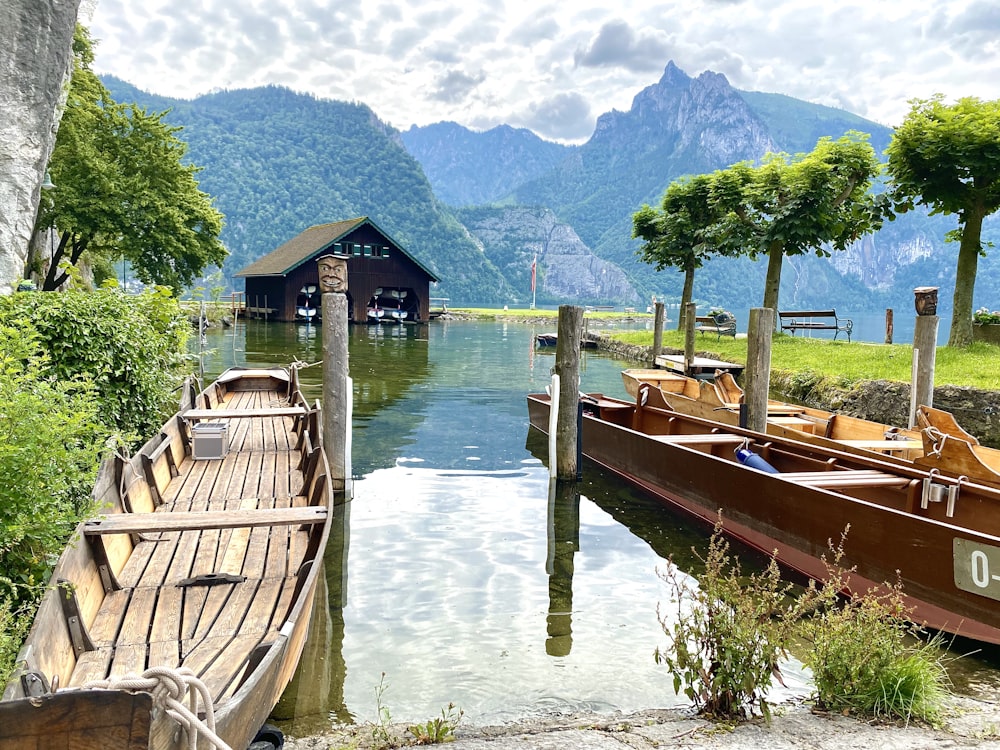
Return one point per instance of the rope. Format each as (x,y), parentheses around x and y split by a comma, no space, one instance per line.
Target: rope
(937,439)
(169,688)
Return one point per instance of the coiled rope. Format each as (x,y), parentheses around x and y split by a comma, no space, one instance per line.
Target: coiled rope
(169,688)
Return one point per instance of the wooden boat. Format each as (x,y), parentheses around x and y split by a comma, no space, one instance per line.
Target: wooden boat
(939,443)
(552,339)
(941,534)
(720,398)
(198,575)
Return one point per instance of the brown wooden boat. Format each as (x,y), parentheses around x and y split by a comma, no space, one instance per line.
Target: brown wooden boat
(941,534)
(198,575)
(720,398)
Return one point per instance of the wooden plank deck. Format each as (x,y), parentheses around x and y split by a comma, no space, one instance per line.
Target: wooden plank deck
(243,515)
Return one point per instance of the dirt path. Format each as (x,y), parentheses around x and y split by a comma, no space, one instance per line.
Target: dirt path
(969,723)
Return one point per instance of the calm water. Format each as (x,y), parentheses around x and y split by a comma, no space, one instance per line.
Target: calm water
(453,571)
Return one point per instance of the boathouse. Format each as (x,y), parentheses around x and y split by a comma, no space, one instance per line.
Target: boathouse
(284,284)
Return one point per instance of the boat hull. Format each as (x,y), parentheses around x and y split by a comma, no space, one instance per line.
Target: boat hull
(888,529)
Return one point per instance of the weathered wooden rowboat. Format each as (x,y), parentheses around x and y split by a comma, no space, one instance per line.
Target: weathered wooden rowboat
(940,533)
(939,443)
(198,574)
(720,398)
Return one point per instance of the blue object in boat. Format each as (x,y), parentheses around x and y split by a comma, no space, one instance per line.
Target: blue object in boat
(751,459)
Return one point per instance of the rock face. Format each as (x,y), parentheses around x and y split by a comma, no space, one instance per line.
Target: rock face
(34,63)
(512,237)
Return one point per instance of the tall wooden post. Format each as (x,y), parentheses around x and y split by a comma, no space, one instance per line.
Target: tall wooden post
(336,398)
(335,386)
(888,325)
(658,315)
(925,331)
(758,373)
(689,320)
(568,369)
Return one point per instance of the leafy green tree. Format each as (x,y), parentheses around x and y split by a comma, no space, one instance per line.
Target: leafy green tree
(123,189)
(948,158)
(793,206)
(679,234)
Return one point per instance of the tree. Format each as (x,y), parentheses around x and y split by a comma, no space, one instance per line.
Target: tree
(123,189)
(679,234)
(792,206)
(948,158)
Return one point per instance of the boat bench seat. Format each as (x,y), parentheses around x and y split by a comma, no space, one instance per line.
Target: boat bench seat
(137,523)
(194,415)
(846,478)
(701,439)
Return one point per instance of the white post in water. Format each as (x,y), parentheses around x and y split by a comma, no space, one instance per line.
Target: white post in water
(336,394)
(924,348)
(348,442)
(553,422)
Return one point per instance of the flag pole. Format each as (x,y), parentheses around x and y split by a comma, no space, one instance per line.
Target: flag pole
(534,263)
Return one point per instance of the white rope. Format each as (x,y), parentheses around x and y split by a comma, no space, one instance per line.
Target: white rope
(169,688)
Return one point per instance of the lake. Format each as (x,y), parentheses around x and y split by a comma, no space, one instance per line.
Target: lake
(454,572)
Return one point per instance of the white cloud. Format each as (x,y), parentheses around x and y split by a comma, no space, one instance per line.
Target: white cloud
(553,67)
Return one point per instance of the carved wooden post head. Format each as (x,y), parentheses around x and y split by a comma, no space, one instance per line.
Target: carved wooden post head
(925,300)
(332,273)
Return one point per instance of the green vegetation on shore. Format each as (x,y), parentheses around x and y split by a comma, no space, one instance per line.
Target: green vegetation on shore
(975,366)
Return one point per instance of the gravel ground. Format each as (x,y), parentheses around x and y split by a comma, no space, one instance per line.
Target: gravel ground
(969,723)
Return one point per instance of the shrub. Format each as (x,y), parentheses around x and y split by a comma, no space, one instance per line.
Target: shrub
(868,658)
(983,316)
(129,346)
(729,632)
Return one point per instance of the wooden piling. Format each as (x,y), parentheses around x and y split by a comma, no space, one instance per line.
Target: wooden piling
(888,325)
(658,317)
(925,332)
(568,369)
(335,383)
(757,378)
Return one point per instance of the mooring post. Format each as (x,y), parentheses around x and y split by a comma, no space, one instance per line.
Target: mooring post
(568,369)
(658,316)
(689,320)
(758,372)
(925,331)
(336,398)
(888,325)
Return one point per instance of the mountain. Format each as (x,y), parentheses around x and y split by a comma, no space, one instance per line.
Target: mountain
(474,169)
(476,207)
(277,162)
(683,125)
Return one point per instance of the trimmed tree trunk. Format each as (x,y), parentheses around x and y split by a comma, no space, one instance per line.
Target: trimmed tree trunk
(686,294)
(960,334)
(775,254)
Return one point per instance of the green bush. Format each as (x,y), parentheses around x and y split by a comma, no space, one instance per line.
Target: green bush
(129,346)
(867,658)
(50,443)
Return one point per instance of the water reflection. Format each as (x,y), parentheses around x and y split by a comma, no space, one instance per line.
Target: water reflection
(564,543)
(455,570)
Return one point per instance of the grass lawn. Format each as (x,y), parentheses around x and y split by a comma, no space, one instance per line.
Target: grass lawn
(977,366)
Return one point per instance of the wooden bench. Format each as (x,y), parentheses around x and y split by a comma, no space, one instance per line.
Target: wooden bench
(815,320)
(721,324)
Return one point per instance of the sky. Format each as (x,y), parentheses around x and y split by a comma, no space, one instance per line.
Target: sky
(551,67)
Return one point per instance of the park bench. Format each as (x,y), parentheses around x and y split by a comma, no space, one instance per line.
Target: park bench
(721,323)
(815,320)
